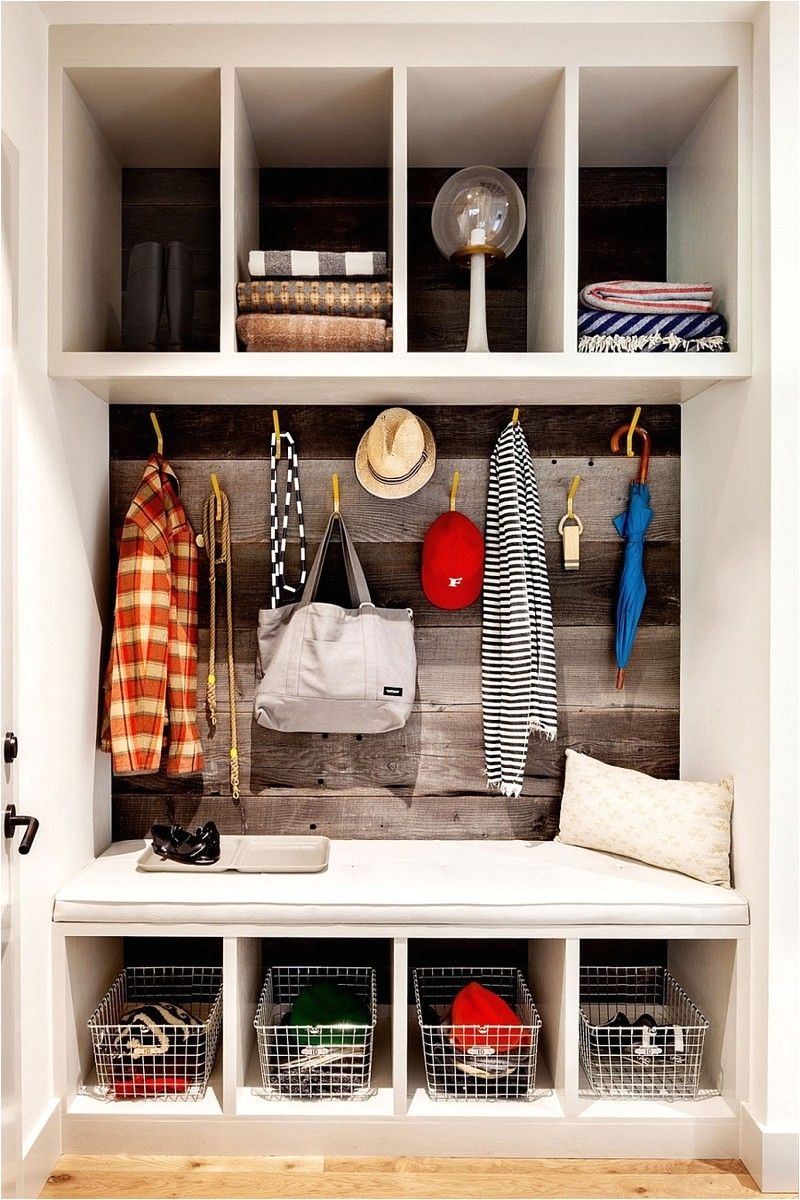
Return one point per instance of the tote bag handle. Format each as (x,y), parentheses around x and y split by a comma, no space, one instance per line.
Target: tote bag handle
(356,580)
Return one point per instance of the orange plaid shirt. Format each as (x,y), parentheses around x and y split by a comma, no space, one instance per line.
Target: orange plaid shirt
(150,692)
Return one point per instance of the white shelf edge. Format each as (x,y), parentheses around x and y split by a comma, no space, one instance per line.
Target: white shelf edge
(207,365)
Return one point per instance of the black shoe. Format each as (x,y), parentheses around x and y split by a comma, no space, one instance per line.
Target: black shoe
(145,297)
(620,1021)
(180,296)
(201,848)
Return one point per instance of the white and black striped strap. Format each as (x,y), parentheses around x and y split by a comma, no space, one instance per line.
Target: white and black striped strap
(278,528)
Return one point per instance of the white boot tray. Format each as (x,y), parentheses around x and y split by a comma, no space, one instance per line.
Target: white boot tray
(255,855)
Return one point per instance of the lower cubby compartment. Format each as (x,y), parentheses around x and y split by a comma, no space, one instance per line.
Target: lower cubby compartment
(468,1057)
(561,1118)
(310,959)
(104,977)
(700,979)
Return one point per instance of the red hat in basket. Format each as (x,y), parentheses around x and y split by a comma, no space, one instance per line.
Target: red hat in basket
(452,561)
(482,1018)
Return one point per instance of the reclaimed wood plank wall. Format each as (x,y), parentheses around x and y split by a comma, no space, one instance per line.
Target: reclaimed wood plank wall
(177,204)
(425,780)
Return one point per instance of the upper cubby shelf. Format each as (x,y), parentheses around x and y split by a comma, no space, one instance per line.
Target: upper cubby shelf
(457,119)
(631,146)
(312,156)
(659,198)
(140,162)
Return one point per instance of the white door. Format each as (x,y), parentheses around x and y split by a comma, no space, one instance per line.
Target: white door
(11,1123)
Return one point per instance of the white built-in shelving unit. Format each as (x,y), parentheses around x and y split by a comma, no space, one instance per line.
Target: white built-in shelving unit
(547,99)
(549,95)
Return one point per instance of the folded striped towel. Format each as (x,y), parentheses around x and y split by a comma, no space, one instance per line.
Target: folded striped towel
(280,263)
(638,296)
(319,297)
(610,332)
(278,332)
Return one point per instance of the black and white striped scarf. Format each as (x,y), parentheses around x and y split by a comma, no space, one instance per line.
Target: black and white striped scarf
(518,662)
(278,537)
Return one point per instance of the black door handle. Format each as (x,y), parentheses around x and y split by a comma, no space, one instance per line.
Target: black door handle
(10,747)
(13,820)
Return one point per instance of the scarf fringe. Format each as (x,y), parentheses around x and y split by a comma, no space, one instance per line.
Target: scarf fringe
(608,343)
(505,789)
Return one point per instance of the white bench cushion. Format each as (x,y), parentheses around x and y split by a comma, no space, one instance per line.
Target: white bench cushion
(510,884)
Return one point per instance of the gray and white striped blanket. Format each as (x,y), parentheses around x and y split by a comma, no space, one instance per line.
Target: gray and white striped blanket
(518,662)
(316,263)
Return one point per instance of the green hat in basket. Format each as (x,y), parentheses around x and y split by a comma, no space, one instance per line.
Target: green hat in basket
(329,1004)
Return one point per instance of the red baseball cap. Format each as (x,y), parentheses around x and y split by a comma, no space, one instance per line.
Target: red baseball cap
(452,561)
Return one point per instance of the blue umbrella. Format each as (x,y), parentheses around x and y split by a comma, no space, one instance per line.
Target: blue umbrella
(632,525)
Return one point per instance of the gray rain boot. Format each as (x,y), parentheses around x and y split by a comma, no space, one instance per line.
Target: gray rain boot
(145,297)
(180,296)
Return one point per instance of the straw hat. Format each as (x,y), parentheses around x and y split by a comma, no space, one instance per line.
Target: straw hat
(396,456)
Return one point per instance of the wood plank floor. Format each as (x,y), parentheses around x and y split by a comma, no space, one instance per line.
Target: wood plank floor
(397,1178)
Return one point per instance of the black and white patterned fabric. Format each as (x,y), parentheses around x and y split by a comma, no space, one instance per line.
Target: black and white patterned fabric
(156,1030)
(518,662)
(316,263)
(280,589)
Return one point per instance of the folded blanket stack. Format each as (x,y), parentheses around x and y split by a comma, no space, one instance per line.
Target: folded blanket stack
(316,297)
(633,316)
(286,332)
(315,300)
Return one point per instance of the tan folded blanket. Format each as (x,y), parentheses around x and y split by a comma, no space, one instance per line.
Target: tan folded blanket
(278,332)
(318,297)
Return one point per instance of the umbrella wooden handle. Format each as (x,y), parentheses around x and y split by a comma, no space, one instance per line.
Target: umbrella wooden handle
(644,461)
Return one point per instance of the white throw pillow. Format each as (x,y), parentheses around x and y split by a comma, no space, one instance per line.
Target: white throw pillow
(670,823)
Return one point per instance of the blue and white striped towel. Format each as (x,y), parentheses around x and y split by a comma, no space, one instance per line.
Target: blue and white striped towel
(612,332)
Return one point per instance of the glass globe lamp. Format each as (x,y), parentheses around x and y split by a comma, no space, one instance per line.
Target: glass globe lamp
(479,213)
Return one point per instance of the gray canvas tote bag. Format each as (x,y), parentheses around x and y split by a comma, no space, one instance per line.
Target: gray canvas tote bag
(326,669)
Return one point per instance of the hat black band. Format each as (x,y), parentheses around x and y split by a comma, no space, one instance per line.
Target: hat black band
(399,478)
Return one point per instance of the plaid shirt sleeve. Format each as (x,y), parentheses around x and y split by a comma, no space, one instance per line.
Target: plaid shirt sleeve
(152,667)
(185,751)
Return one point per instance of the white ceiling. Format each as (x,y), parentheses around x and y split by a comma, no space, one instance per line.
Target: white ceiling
(154,116)
(640,116)
(247,12)
(458,117)
(336,116)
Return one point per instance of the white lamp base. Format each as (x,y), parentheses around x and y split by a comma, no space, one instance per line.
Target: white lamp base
(477,339)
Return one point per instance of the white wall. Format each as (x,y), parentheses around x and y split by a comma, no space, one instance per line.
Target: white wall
(62,502)
(739,707)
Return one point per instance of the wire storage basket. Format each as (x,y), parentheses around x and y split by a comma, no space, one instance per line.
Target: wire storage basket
(640,1034)
(476,1062)
(314,1062)
(155,1033)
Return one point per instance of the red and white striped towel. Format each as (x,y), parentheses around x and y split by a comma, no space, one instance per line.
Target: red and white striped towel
(637,296)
